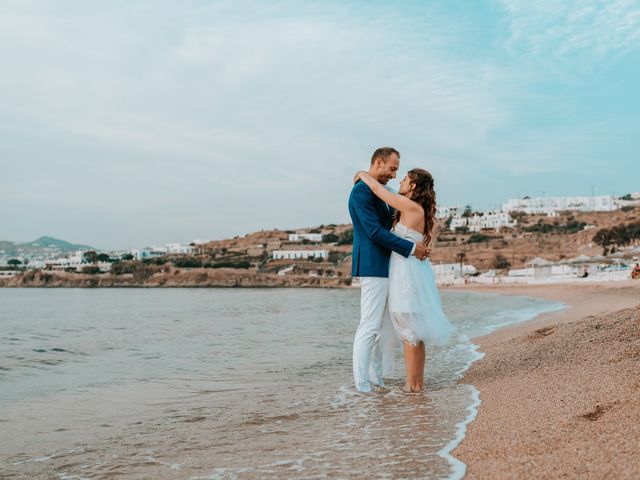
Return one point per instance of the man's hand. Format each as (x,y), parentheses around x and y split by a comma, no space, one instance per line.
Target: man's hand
(422,251)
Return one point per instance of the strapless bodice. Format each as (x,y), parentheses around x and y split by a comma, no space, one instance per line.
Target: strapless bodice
(402,231)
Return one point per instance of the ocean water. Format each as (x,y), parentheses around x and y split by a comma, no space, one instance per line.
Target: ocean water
(224,384)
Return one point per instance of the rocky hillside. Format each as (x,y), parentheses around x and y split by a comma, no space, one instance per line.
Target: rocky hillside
(569,235)
(554,238)
(248,261)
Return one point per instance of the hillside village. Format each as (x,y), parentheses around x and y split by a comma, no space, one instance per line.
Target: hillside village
(529,238)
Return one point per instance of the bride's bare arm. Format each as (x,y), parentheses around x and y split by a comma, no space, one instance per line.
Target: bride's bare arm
(399,202)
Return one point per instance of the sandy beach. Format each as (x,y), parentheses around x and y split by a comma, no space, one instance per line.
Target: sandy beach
(560,393)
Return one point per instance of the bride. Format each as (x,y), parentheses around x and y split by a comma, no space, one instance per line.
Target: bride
(413,299)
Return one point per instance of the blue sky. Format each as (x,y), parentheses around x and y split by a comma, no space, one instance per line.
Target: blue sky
(137,123)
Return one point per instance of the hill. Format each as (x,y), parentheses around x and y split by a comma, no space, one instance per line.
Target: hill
(50,242)
(45,246)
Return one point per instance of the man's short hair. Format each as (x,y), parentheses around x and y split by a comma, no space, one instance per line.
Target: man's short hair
(383,153)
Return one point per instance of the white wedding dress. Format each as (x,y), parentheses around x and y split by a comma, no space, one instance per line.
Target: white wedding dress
(414,302)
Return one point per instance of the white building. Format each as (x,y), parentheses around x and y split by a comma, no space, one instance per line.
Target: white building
(543,271)
(148,252)
(312,237)
(452,270)
(179,249)
(36,264)
(635,201)
(546,205)
(446,212)
(483,220)
(9,273)
(76,262)
(103,266)
(299,254)
(73,261)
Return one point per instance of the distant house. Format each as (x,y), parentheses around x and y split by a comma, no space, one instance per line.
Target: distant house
(446,212)
(452,270)
(632,200)
(538,262)
(299,254)
(36,264)
(9,273)
(148,252)
(75,261)
(177,248)
(483,220)
(545,205)
(312,237)
(541,267)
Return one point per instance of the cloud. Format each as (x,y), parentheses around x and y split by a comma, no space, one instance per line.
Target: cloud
(230,116)
(593,30)
(217,88)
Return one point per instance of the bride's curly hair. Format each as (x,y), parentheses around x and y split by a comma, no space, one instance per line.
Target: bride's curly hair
(424,194)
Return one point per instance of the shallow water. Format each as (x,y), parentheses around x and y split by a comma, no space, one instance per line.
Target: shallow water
(215,383)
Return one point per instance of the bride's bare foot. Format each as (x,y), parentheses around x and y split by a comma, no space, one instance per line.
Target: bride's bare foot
(412,388)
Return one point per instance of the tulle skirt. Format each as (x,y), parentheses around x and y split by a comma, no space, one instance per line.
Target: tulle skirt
(414,302)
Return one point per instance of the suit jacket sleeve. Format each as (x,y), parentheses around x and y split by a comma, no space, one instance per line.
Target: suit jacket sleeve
(364,208)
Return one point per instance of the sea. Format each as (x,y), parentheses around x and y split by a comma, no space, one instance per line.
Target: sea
(226,384)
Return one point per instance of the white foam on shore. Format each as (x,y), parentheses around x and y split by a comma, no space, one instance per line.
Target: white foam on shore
(459,467)
(474,353)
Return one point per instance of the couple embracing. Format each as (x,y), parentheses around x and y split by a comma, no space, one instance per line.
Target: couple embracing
(391,235)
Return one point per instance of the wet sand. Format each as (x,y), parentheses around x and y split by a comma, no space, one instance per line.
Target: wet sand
(561,393)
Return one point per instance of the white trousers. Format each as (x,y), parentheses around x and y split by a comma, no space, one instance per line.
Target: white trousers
(367,351)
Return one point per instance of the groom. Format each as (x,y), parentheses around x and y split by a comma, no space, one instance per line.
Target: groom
(372,247)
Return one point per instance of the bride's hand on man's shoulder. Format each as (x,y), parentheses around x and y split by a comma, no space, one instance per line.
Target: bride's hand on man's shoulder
(357,176)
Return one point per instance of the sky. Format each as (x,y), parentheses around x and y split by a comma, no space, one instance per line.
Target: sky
(126,124)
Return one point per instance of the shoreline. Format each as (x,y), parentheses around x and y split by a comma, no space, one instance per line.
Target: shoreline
(185,278)
(540,395)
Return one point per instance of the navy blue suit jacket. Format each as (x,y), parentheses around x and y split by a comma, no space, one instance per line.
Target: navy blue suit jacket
(372,240)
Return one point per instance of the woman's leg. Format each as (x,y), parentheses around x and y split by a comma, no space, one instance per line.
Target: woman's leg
(414,360)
